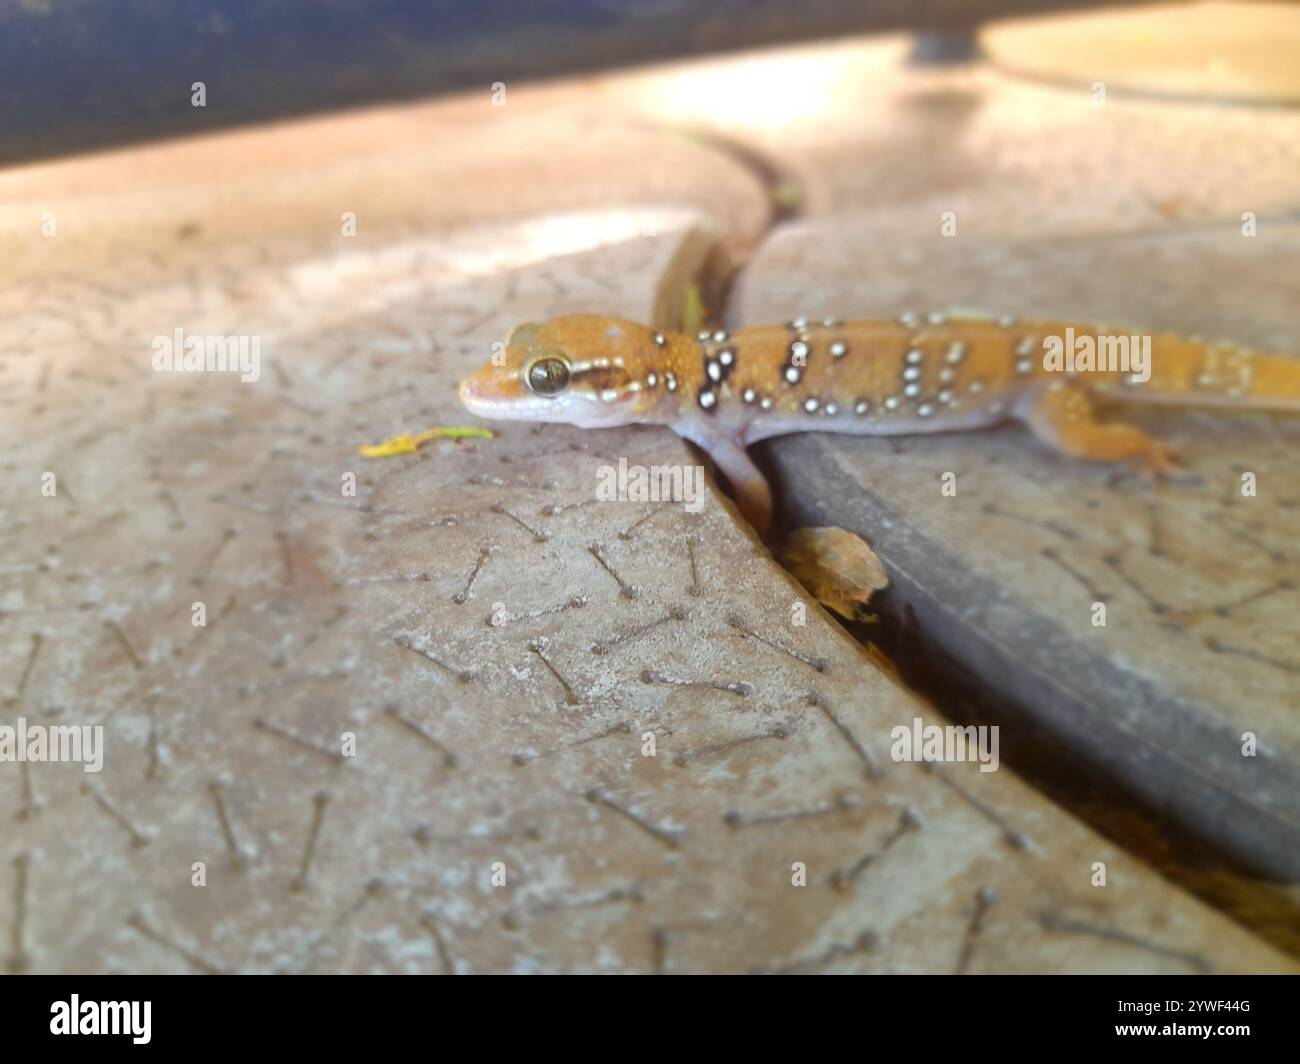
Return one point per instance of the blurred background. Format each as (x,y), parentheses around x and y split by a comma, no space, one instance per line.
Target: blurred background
(80,75)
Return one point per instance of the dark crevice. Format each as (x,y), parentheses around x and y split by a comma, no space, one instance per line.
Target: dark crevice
(1080,781)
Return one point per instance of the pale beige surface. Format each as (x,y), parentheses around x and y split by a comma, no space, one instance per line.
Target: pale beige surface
(855,128)
(404,170)
(1219,51)
(519,744)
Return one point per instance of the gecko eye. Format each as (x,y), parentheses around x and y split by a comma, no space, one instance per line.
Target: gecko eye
(548,375)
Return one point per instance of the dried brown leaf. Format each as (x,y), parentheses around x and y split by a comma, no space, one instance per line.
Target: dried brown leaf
(837,567)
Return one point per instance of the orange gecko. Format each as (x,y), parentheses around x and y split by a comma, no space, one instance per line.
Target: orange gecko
(934,373)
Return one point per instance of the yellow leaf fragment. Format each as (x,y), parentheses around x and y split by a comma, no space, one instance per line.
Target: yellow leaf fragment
(406,442)
(692,310)
(403,444)
(837,567)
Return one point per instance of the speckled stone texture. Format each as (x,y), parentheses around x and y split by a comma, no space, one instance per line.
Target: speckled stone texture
(505,651)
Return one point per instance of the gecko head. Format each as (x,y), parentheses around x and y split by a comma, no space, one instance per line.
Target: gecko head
(581,369)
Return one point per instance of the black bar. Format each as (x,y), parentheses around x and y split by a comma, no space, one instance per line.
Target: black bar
(340,1014)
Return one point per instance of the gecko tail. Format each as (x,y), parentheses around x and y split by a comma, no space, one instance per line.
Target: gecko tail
(1194,373)
(1275,382)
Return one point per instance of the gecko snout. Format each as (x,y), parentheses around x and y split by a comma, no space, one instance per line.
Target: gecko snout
(476,398)
(489,394)
(469,390)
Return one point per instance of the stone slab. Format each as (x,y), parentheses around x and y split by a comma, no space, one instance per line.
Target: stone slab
(515,749)
(1200,583)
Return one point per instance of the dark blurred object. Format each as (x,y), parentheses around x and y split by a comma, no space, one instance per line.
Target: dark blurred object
(81,74)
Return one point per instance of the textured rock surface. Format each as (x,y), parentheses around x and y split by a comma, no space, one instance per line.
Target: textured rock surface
(1201,582)
(520,742)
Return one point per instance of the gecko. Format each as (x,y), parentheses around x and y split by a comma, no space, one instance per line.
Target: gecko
(724,390)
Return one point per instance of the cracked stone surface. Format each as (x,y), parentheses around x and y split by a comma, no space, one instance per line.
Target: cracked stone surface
(503,648)
(1200,581)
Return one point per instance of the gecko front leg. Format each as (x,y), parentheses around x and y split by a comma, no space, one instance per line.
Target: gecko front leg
(750,487)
